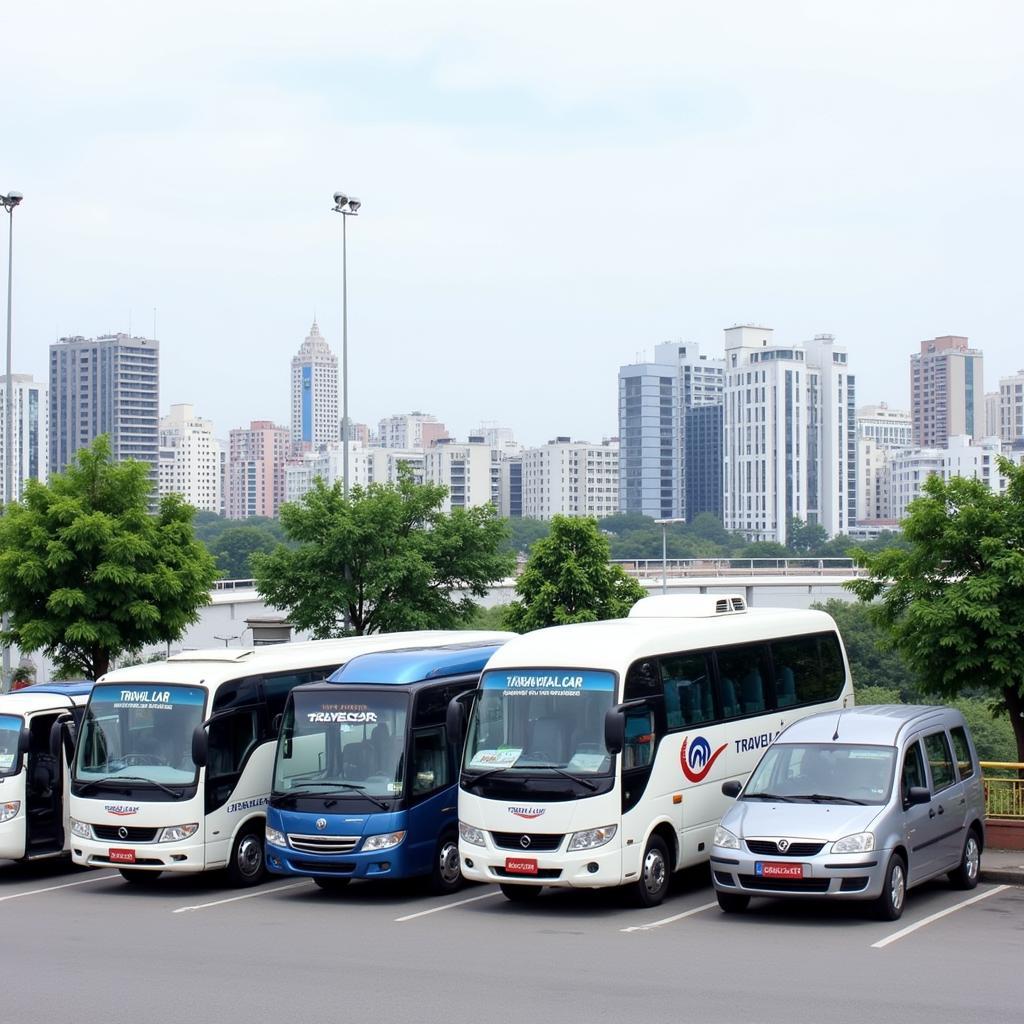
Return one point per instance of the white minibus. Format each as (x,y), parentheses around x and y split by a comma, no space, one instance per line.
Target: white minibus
(174,758)
(33,781)
(595,753)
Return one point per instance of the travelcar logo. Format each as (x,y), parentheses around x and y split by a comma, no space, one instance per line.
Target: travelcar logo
(697,759)
(527,812)
(122,810)
(342,716)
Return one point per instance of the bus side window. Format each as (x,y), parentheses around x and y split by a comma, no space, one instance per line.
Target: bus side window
(686,682)
(276,689)
(808,669)
(232,738)
(742,674)
(639,748)
(429,760)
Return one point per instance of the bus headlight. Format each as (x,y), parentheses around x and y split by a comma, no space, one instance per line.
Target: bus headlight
(9,809)
(175,833)
(81,829)
(725,839)
(470,834)
(862,842)
(384,842)
(592,838)
(276,838)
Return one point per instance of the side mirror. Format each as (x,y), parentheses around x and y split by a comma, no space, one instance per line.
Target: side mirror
(614,730)
(24,741)
(200,746)
(731,788)
(918,795)
(455,721)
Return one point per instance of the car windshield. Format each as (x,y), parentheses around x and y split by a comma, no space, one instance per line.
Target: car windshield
(141,730)
(10,730)
(541,719)
(342,742)
(824,773)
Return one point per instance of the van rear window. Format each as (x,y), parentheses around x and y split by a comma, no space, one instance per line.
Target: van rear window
(962,752)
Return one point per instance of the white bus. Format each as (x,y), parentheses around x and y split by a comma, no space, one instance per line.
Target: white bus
(595,753)
(173,760)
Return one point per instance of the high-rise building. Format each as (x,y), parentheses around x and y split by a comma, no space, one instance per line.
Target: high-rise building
(653,401)
(946,391)
(31,432)
(571,478)
(464,468)
(105,385)
(881,431)
(190,459)
(410,430)
(790,435)
(256,470)
(705,435)
(1010,425)
(314,393)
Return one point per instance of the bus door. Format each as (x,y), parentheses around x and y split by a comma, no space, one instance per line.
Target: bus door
(44,790)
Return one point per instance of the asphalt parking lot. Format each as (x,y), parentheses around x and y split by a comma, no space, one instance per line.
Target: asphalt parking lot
(88,947)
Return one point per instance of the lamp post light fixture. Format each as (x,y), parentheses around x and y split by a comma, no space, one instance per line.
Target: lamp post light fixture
(9,202)
(347,206)
(664,524)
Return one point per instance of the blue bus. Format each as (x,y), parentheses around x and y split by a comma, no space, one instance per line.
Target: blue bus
(365,775)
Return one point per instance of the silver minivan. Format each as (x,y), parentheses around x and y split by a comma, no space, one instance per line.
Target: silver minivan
(859,804)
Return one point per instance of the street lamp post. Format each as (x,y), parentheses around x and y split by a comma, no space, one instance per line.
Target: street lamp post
(347,206)
(664,524)
(9,201)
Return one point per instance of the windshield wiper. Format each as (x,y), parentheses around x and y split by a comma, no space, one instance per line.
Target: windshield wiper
(561,771)
(176,793)
(828,798)
(472,780)
(769,796)
(336,789)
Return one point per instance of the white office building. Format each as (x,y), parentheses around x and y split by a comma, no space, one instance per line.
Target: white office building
(465,468)
(314,393)
(31,432)
(1010,426)
(790,435)
(410,430)
(191,459)
(880,432)
(571,478)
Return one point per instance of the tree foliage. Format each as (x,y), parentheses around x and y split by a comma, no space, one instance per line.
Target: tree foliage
(953,600)
(88,573)
(233,547)
(387,557)
(568,578)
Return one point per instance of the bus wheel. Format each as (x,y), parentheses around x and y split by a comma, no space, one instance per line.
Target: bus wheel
(247,864)
(520,893)
(446,876)
(332,885)
(652,885)
(140,878)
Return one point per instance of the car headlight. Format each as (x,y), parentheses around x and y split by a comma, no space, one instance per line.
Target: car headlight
(862,842)
(175,833)
(81,829)
(276,838)
(9,809)
(592,838)
(472,835)
(725,839)
(384,842)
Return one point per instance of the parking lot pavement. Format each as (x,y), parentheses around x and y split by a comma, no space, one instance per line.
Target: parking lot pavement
(87,942)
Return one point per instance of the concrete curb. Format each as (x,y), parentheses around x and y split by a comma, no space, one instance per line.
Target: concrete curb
(1001,876)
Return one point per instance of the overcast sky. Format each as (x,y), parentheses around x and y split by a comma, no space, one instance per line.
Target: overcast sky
(550,189)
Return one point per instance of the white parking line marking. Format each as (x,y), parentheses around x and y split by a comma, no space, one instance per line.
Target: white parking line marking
(903,932)
(447,906)
(245,896)
(51,888)
(669,920)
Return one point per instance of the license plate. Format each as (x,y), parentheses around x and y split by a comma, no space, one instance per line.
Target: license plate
(122,856)
(520,866)
(773,869)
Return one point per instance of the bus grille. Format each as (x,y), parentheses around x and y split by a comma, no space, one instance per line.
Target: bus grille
(323,844)
(766,846)
(113,834)
(537,841)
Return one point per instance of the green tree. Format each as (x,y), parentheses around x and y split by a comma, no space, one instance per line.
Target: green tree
(387,557)
(953,600)
(568,579)
(87,573)
(233,547)
(805,538)
(523,531)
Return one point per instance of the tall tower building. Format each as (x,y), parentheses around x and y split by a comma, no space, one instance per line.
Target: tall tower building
(31,432)
(314,393)
(947,391)
(190,459)
(105,385)
(256,470)
(1010,424)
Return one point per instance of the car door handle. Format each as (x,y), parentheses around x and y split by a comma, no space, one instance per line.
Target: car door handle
(448,810)
(941,810)
(931,812)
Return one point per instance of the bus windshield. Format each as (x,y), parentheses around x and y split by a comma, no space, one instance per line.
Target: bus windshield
(341,743)
(10,730)
(141,731)
(841,773)
(541,718)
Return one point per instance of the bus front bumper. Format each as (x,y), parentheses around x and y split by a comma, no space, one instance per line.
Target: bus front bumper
(390,863)
(183,856)
(580,869)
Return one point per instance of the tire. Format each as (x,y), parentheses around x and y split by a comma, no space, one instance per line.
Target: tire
(732,902)
(140,878)
(332,885)
(248,863)
(965,876)
(446,875)
(652,885)
(520,893)
(889,906)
